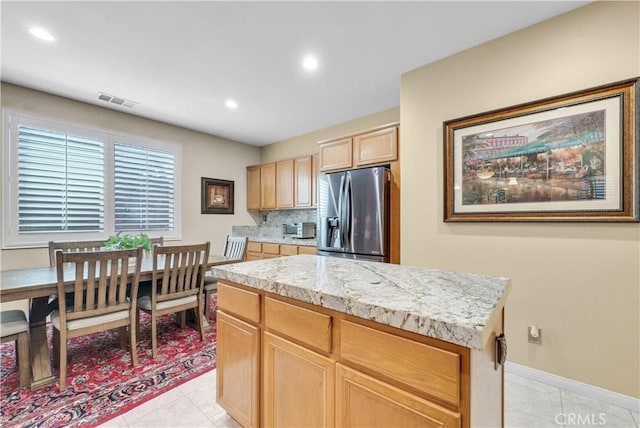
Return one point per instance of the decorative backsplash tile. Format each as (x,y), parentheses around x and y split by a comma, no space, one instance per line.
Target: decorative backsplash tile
(269,223)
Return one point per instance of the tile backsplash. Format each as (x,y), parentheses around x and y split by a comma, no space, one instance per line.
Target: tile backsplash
(269,223)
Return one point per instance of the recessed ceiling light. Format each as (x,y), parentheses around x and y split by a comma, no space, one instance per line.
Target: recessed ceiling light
(310,63)
(231,104)
(42,34)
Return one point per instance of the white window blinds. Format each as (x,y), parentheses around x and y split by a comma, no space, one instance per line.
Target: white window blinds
(60,182)
(144,188)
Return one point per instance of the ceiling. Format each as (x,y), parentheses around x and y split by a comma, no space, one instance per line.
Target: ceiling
(180,61)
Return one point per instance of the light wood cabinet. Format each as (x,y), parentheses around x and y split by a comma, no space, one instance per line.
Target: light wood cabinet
(253,187)
(266,250)
(375,147)
(335,155)
(238,368)
(303,173)
(285,184)
(298,385)
(364,401)
(321,367)
(268,186)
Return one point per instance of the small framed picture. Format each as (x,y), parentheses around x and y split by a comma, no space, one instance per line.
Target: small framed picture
(217,196)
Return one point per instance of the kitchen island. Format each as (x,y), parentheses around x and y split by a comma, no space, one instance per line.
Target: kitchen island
(318,341)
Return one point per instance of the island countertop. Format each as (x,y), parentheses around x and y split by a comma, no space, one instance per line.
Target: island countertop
(452,306)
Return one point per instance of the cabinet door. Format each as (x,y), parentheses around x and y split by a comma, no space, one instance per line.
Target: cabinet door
(298,385)
(376,147)
(253,187)
(336,155)
(303,181)
(363,401)
(268,185)
(238,375)
(284,184)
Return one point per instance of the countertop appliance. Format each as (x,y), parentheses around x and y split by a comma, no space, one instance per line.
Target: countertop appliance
(353,214)
(302,230)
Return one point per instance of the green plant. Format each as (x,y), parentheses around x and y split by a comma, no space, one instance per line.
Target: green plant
(125,242)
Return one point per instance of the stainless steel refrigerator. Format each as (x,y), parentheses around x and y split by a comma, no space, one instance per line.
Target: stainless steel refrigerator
(353,214)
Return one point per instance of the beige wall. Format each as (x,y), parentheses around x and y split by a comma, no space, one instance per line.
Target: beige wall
(308,143)
(202,156)
(580,283)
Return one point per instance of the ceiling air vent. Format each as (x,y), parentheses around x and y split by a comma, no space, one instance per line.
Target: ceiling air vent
(116,100)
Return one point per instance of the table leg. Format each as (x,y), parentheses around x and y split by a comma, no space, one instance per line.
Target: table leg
(40,357)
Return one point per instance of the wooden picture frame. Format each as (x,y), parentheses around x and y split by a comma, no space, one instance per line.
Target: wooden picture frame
(567,158)
(216,196)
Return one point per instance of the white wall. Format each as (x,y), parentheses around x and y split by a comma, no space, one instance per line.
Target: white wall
(580,283)
(202,156)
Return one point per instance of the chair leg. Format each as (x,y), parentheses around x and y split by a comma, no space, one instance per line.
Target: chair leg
(154,336)
(182,319)
(62,382)
(133,345)
(123,337)
(200,320)
(56,348)
(22,358)
(207,304)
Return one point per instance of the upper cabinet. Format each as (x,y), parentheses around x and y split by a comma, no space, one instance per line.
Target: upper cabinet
(268,185)
(375,147)
(303,167)
(253,187)
(286,184)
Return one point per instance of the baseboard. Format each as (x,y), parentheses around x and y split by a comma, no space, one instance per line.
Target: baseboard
(591,391)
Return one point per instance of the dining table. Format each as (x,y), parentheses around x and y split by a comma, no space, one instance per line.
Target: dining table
(37,284)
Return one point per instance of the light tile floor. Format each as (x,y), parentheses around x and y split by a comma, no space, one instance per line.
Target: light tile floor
(528,404)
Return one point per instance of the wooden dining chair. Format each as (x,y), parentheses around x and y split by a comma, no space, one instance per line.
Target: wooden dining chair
(235,247)
(99,282)
(15,328)
(72,246)
(177,278)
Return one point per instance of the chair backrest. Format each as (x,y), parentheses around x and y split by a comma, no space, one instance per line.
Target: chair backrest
(72,246)
(100,282)
(157,241)
(178,271)
(236,247)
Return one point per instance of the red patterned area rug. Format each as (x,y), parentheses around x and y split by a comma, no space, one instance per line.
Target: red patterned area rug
(101,384)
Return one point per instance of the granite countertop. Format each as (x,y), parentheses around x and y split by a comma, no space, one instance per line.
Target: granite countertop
(451,306)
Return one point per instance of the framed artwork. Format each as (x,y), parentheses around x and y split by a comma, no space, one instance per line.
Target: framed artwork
(566,158)
(217,196)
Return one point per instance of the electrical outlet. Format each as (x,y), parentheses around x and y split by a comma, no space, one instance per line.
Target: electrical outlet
(534,334)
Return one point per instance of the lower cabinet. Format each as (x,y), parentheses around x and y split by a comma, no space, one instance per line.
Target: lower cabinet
(238,369)
(282,363)
(267,250)
(363,401)
(298,385)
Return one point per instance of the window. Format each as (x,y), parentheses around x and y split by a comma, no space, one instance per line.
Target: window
(61,180)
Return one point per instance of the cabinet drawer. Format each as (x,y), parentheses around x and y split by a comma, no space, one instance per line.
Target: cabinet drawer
(288,250)
(270,248)
(364,401)
(309,327)
(254,247)
(245,304)
(307,250)
(423,367)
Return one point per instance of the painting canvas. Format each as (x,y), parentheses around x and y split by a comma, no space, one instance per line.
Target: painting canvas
(561,159)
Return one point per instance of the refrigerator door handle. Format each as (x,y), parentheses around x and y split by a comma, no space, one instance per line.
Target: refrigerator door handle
(341,219)
(347,213)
